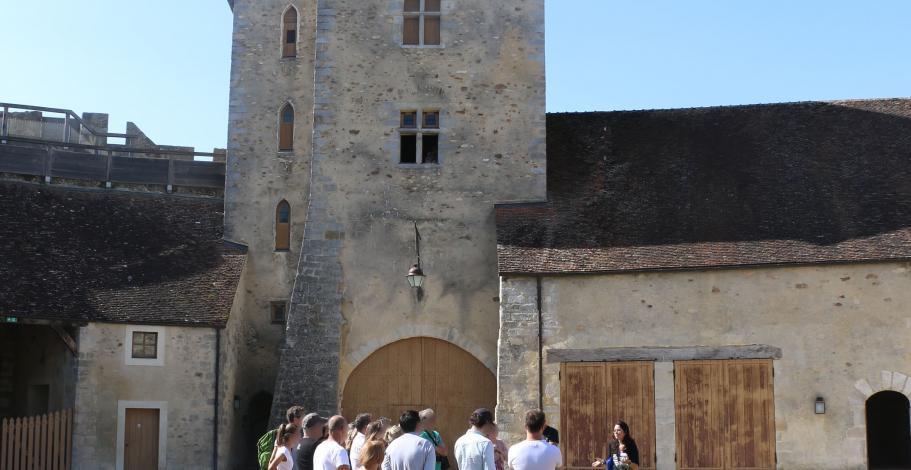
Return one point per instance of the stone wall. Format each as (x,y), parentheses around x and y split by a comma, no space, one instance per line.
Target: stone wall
(487,81)
(185,382)
(842,329)
(258,177)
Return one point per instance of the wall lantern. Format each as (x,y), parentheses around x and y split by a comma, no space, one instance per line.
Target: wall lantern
(416,274)
(820,406)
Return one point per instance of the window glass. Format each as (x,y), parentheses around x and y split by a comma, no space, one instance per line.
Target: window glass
(412,5)
(411,31)
(409,120)
(431,119)
(432,5)
(430,148)
(145,345)
(409,148)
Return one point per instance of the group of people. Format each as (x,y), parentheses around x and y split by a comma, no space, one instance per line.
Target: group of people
(312,442)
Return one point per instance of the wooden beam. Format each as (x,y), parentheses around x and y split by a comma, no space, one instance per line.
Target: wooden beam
(663,354)
(67,339)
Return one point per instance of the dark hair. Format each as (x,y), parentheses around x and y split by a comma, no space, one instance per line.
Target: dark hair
(625,427)
(534,420)
(480,417)
(409,420)
(295,412)
(286,431)
(361,421)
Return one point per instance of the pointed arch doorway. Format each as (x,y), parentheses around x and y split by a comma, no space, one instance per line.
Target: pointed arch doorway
(418,373)
(888,431)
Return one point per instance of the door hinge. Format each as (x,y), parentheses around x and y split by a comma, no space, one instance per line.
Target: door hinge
(559,375)
(675,456)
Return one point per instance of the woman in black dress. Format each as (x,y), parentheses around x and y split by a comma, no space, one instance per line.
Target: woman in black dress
(621,436)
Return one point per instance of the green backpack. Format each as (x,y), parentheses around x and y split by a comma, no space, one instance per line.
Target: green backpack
(264,447)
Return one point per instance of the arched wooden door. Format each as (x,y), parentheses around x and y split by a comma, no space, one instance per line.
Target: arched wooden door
(420,373)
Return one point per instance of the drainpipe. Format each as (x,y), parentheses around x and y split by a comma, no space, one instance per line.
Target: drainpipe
(540,349)
(215,416)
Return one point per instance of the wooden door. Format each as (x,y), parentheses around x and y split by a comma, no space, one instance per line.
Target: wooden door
(140,439)
(420,373)
(594,396)
(725,414)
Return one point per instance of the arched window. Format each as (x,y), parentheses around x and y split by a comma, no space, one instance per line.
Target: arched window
(286,128)
(283,226)
(888,431)
(289,32)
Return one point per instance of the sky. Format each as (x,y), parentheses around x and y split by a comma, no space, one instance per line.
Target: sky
(165,64)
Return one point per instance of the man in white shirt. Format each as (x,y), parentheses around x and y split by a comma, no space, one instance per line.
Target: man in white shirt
(331,454)
(410,451)
(534,453)
(474,451)
(360,425)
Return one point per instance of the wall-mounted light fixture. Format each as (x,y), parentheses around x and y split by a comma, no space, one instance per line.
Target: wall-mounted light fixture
(415,275)
(820,406)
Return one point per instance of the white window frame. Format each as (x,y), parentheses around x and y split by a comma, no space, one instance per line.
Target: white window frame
(419,130)
(162,407)
(421,14)
(128,358)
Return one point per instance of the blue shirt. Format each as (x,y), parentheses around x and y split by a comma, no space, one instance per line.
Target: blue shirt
(474,451)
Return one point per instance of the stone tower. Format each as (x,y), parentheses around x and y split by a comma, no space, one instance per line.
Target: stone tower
(407,112)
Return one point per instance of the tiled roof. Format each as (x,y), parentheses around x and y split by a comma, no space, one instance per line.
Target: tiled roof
(114,256)
(812,182)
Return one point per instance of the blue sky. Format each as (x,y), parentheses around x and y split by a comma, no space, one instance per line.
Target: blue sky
(164,64)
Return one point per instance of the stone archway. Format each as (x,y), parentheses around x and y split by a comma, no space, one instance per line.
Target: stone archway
(855,436)
(418,373)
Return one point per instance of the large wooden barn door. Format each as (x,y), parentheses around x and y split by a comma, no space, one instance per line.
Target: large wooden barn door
(420,373)
(593,396)
(725,415)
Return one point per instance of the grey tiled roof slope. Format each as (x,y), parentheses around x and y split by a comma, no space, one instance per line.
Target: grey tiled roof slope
(811,182)
(113,256)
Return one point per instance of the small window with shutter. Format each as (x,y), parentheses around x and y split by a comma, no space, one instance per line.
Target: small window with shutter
(286,128)
(289,38)
(283,226)
(421,23)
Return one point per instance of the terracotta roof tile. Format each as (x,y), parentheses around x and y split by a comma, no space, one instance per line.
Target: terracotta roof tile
(114,256)
(811,182)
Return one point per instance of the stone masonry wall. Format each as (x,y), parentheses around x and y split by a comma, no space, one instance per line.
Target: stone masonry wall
(185,382)
(842,331)
(258,177)
(487,81)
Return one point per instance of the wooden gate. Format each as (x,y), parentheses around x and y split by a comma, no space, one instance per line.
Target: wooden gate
(420,373)
(43,441)
(725,414)
(593,396)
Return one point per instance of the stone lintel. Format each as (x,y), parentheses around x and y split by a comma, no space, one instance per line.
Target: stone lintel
(663,354)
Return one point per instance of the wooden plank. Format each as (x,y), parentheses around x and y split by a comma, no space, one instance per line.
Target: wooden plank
(30,442)
(23,160)
(4,438)
(699,403)
(52,441)
(43,442)
(750,412)
(78,165)
(139,170)
(17,442)
(199,174)
(583,410)
(631,386)
(663,354)
(68,439)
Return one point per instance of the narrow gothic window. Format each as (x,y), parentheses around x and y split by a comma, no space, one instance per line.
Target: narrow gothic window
(421,23)
(286,128)
(289,36)
(419,138)
(283,226)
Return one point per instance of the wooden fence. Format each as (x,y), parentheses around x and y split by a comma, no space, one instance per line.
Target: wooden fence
(37,442)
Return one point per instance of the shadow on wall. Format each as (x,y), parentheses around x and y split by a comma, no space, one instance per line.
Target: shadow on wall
(817,172)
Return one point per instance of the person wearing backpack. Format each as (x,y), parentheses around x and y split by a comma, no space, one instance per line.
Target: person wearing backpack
(267,444)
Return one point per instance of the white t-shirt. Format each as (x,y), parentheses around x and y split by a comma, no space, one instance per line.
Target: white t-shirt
(330,456)
(288,464)
(534,455)
(356,444)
